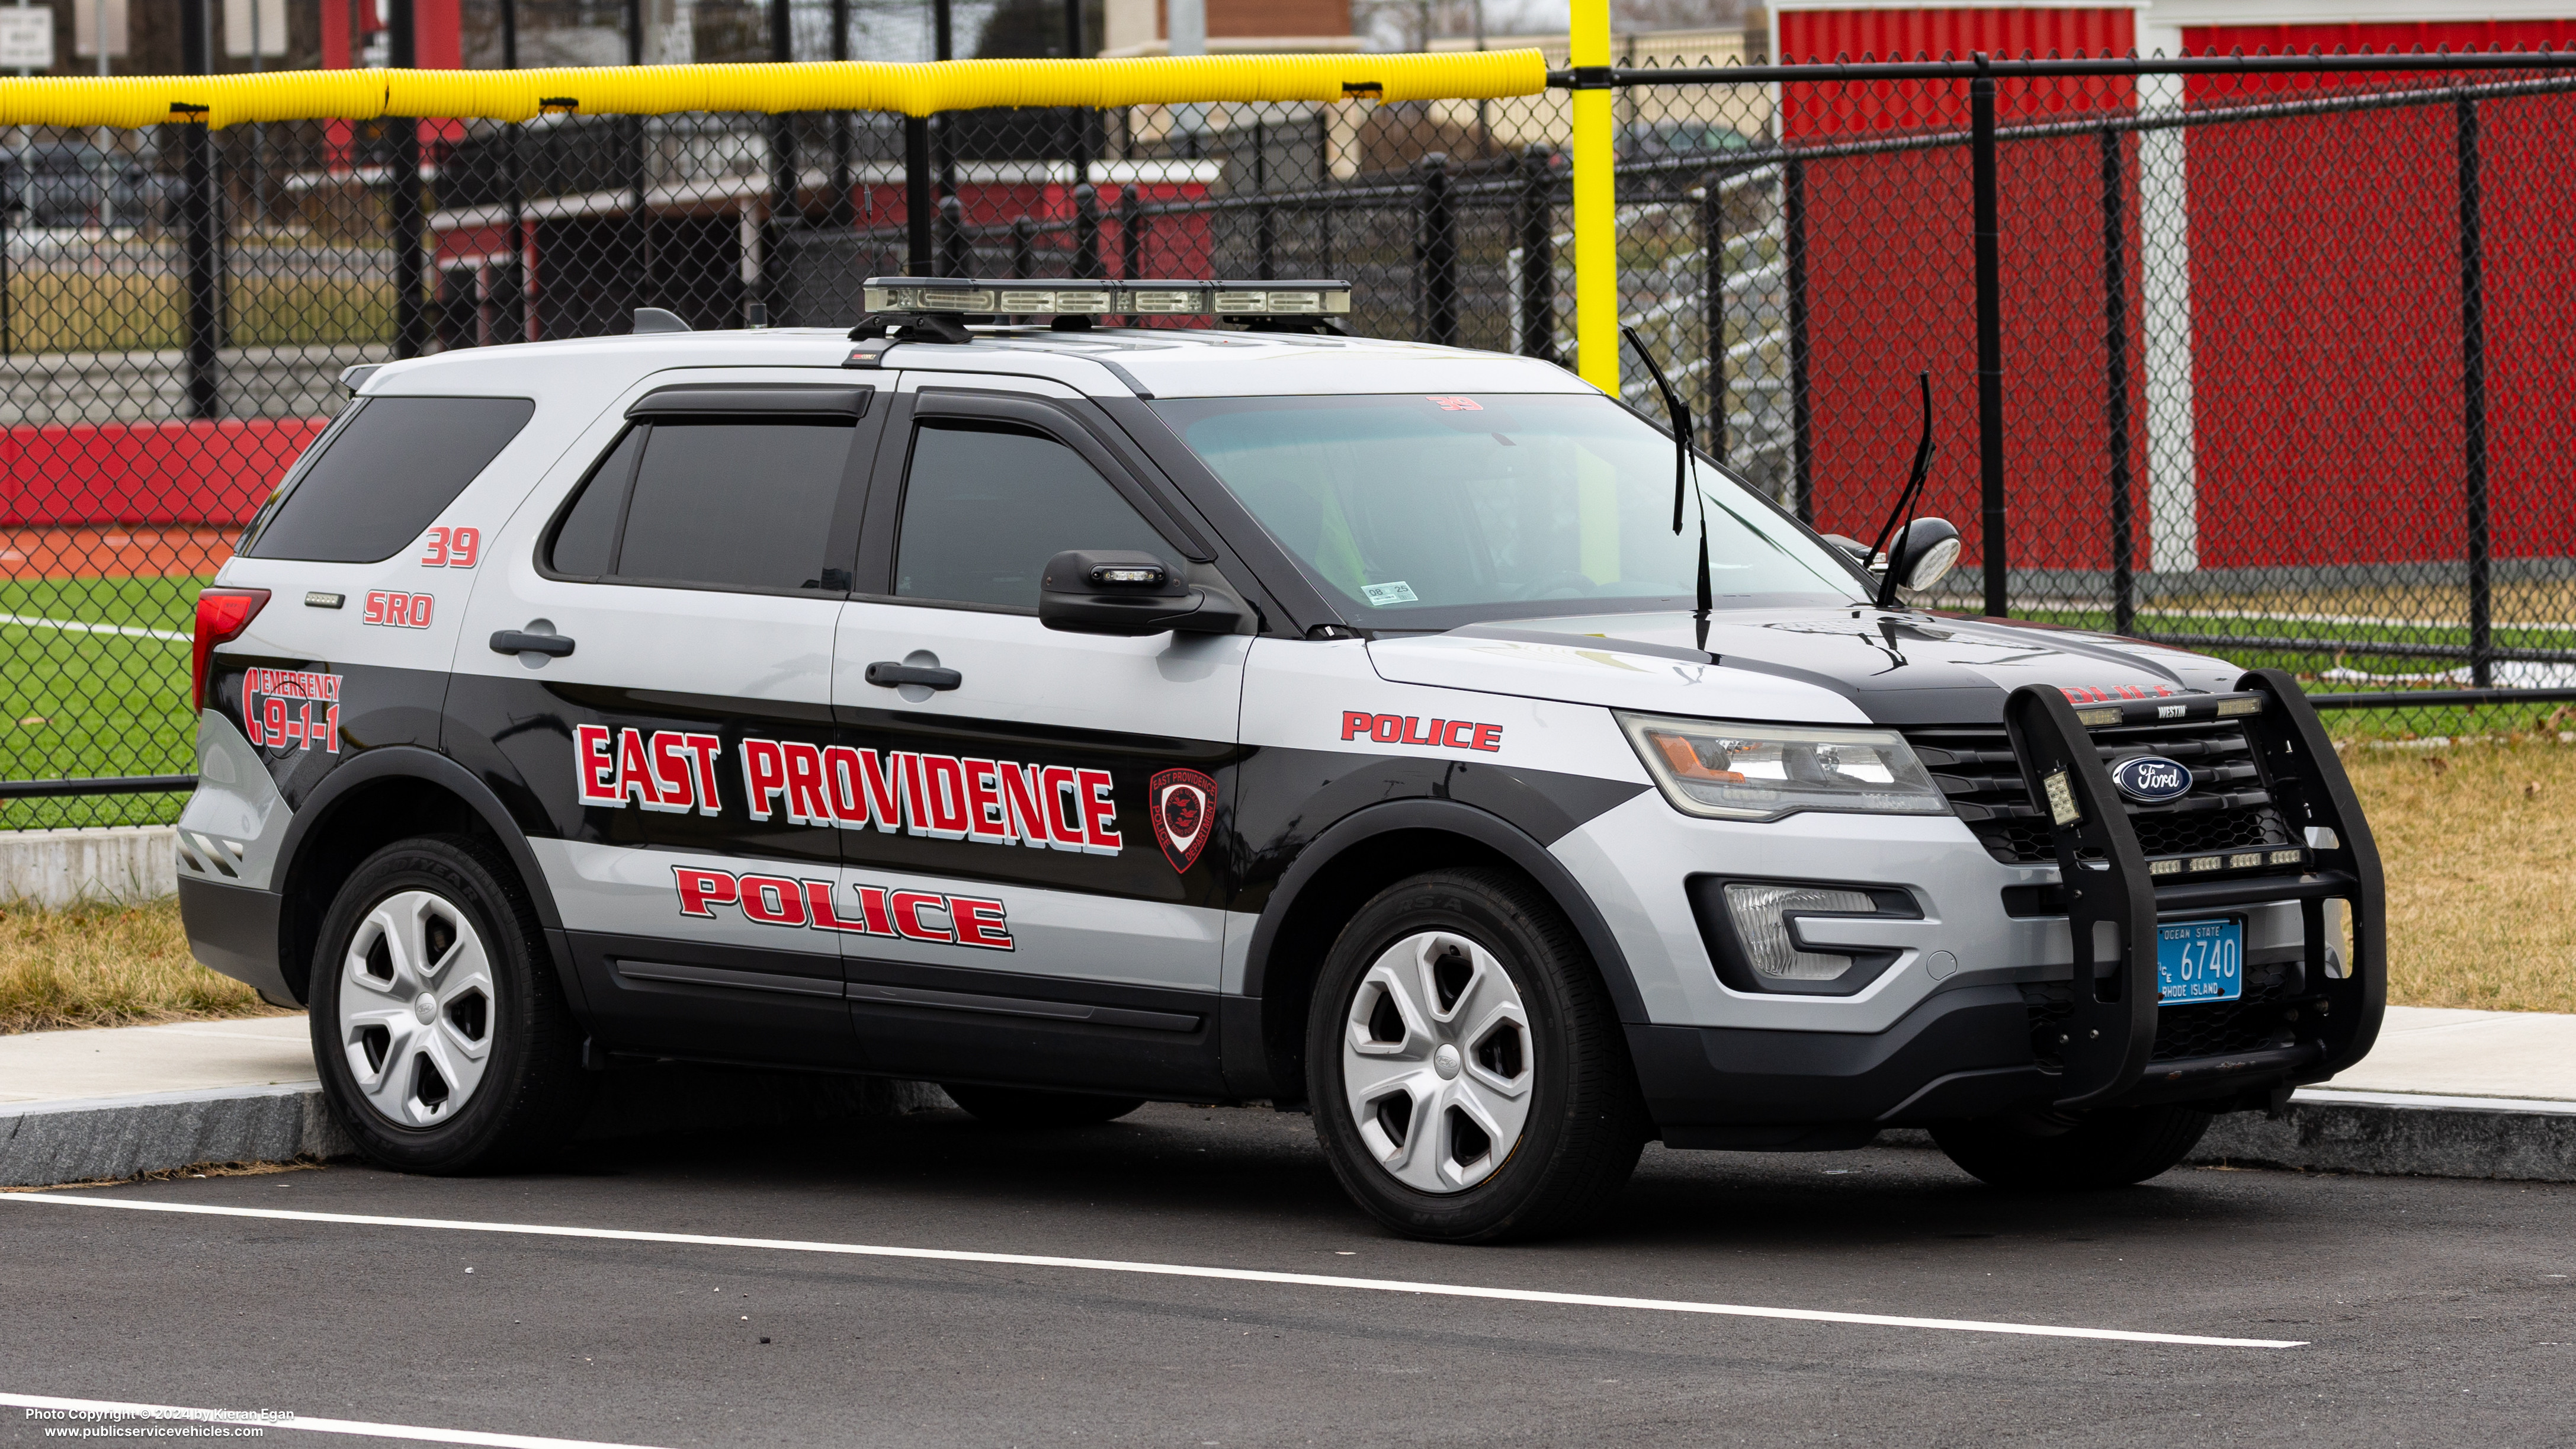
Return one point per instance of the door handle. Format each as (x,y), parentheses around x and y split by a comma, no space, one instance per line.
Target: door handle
(514,641)
(890,674)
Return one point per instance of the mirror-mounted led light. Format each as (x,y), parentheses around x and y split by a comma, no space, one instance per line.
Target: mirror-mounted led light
(1115,575)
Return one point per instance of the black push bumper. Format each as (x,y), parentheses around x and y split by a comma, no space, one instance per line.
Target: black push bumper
(2113,891)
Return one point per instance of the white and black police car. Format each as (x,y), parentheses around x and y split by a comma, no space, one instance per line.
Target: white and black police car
(1076,715)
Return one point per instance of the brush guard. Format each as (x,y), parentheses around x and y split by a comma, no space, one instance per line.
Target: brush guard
(2116,895)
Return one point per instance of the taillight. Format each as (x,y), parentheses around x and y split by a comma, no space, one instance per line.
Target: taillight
(222,614)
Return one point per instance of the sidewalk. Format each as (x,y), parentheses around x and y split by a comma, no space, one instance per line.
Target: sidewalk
(2445,1093)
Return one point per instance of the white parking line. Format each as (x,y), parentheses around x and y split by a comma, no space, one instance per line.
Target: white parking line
(76,626)
(1167,1270)
(108,1411)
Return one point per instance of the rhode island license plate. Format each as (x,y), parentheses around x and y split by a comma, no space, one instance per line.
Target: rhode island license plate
(2200,961)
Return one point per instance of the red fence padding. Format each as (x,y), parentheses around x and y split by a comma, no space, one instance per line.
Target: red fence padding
(213,472)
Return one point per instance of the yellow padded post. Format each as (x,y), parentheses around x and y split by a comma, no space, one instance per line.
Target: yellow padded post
(1596,204)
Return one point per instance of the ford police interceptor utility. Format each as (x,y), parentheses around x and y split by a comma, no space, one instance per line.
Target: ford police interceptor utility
(1075,715)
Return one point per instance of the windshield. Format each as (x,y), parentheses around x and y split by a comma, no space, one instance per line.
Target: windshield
(1428,512)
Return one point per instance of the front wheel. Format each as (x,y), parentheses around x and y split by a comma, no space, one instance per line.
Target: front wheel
(1469,1077)
(2047,1154)
(443,1039)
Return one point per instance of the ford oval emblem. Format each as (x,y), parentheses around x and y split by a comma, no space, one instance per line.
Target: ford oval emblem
(2151,779)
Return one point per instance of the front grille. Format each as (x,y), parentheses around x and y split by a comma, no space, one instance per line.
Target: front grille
(2229,806)
(2263,1018)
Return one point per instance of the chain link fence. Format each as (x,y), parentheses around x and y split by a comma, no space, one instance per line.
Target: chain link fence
(2284,373)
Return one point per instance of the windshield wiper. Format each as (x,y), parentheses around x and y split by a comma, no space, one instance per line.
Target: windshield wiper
(1685,476)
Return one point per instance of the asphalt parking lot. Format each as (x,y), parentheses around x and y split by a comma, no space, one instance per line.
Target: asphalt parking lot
(2425,1311)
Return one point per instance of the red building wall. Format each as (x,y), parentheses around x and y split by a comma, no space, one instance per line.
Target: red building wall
(1891,277)
(2325,284)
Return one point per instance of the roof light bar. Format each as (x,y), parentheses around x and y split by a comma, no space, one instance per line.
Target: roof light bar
(1083,298)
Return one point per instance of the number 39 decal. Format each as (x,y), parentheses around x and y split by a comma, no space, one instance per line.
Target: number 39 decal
(452,548)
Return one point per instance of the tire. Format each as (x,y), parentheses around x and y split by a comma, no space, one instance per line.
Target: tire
(1029,1107)
(480,1069)
(1469,1076)
(2106,1149)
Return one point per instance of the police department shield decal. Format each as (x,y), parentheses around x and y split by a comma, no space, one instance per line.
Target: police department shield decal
(1184,809)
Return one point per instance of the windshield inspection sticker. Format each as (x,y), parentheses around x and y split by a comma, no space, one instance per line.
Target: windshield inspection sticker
(1459,404)
(1381,595)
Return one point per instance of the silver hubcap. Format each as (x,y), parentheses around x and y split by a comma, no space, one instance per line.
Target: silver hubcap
(416,1009)
(1436,1062)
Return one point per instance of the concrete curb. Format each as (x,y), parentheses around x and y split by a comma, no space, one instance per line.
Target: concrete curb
(110,1138)
(106,1138)
(2402,1134)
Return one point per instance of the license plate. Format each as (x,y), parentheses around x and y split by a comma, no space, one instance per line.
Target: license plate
(2200,961)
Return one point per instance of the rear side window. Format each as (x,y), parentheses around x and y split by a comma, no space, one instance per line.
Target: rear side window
(385,473)
(714,505)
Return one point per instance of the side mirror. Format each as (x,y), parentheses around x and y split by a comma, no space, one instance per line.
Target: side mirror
(1923,554)
(1118,591)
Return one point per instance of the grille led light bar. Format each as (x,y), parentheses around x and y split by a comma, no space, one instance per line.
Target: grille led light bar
(975,297)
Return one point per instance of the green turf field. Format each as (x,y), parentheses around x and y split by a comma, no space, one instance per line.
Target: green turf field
(83,703)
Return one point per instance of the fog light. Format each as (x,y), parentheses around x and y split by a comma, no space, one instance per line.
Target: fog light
(1759,913)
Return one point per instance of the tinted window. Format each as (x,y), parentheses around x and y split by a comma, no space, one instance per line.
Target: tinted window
(586,540)
(383,476)
(717,505)
(985,508)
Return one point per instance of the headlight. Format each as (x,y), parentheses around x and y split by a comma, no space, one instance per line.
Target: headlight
(1761,772)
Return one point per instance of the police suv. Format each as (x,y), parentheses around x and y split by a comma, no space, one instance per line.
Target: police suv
(1076,714)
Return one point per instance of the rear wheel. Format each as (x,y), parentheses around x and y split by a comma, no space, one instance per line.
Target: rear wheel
(1030,1107)
(2045,1153)
(442,1037)
(1469,1078)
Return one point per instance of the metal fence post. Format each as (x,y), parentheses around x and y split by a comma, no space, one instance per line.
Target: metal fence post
(1535,228)
(840,218)
(1131,230)
(403,211)
(2473,397)
(1712,303)
(2115,373)
(1992,544)
(515,275)
(1265,215)
(916,197)
(784,206)
(1024,249)
(1438,254)
(956,250)
(639,182)
(1802,413)
(203,221)
(1086,230)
